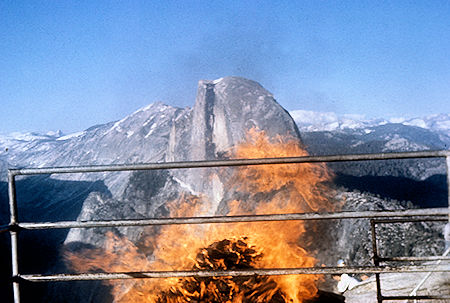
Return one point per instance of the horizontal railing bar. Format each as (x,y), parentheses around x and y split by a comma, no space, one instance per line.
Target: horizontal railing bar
(230,162)
(409,220)
(238,219)
(405,259)
(234,273)
(427,297)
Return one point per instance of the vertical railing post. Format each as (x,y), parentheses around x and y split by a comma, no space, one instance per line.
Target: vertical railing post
(376,259)
(447,226)
(14,234)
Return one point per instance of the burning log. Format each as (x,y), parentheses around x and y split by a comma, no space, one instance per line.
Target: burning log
(226,255)
(229,255)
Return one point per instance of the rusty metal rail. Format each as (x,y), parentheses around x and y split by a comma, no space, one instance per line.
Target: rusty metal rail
(235,273)
(398,216)
(414,259)
(230,162)
(426,212)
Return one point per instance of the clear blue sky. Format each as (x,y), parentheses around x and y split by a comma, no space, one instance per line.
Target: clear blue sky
(72,64)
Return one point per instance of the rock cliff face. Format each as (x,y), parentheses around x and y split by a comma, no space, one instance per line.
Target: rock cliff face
(224,111)
(226,108)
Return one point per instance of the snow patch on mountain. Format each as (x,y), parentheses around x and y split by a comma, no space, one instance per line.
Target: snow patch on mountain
(329,121)
(70,136)
(438,122)
(217,81)
(29,136)
(311,121)
(19,142)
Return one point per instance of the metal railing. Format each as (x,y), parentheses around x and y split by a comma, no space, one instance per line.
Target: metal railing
(376,217)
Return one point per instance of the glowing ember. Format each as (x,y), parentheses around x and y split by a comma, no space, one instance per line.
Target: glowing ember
(222,255)
(265,189)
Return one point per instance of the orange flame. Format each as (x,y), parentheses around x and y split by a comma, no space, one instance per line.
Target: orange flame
(267,189)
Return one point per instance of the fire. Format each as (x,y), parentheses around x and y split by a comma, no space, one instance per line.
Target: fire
(266,189)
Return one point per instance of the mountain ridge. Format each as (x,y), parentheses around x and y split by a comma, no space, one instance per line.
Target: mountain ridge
(308,121)
(330,121)
(17,143)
